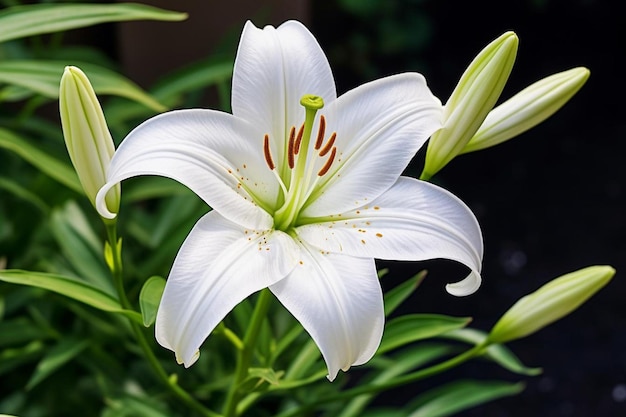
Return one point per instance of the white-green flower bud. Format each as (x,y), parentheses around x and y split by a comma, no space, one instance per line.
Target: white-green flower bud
(475,95)
(549,303)
(87,136)
(528,108)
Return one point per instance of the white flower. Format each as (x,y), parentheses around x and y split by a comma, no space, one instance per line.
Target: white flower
(304,197)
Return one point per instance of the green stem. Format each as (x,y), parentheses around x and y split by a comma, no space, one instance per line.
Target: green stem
(406,379)
(116,270)
(245,355)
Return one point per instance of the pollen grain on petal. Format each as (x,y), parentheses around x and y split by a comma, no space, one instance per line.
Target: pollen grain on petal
(267,153)
(379,235)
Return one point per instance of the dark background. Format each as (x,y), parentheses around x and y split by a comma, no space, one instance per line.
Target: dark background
(549,202)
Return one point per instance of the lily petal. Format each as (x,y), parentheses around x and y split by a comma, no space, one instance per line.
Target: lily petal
(339,302)
(274,68)
(413,221)
(219,265)
(209,152)
(380,126)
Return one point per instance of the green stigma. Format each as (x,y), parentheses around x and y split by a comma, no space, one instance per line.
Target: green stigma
(312,102)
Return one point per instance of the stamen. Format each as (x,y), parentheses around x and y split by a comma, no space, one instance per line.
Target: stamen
(291,148)
(320,133)
(268,154)
(329,144)
(299,140)
(328,163)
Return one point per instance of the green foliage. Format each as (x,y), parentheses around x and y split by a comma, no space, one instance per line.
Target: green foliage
(149,299)
(70,287)
(36,19)
(81,337)
(42,77)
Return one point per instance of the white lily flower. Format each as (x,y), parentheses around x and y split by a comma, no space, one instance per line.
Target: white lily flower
(306,191)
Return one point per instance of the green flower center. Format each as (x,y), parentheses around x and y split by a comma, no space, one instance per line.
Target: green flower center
(300,178)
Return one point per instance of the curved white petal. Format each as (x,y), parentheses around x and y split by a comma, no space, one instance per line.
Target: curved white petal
(339,302)
(219,265)
(216,155)
(274,68)
(380,126)
(413,220)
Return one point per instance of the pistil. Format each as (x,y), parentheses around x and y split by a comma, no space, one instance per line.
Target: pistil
(298,150)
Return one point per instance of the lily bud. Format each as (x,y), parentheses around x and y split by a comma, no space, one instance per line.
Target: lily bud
(475,95)
(528,108)
(549,303)
(87,136)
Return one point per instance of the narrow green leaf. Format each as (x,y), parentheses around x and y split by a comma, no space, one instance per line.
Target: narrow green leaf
(131,405)
(21,21)
(265,374)
(12,93)
(60,171)
(388,368)
(19,330)
(414,327)
(497,353)
(56,357)
(69,287)
(12,358)
(195,77)
(398,294)
(384,412)
(19,191)
(171,89)
(150,298)
(152,187)
(43,77)
(460,395)
(80,245)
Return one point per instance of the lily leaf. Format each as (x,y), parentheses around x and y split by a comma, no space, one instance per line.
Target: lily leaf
(80,245)
(12,358)
(414,327)
(56,169)
(20,191)
(389,368)
(19,331)
(170,90)
(69,287)
(497,353)
(56,357)
(149,299)
(460,395)
(22,21)
(43,77)
(398,294)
